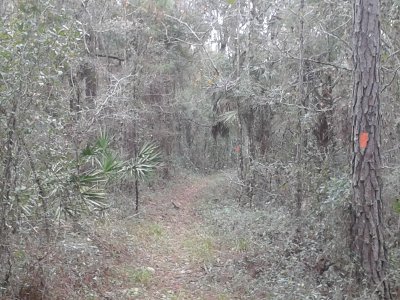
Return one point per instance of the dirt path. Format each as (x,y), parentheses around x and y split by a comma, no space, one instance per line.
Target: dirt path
(176,269)
(173,250)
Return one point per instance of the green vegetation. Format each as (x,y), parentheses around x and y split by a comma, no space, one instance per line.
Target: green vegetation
(141,275)
(228,122)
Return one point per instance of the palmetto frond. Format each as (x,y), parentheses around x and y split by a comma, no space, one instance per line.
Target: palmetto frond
(88,151)
(103,142)
(92,193)
(89,178)
(97,165)
(147,160)
(100,164)
(110,164)
(228,117)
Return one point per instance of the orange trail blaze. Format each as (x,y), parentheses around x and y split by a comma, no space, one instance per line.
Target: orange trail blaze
(363,140)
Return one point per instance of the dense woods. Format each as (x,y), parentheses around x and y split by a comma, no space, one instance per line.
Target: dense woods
(293,102)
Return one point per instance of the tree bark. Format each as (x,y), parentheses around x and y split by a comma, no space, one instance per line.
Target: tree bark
(300,132)
(368,227)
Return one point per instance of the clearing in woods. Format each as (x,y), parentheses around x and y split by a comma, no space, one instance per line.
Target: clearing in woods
(168,252)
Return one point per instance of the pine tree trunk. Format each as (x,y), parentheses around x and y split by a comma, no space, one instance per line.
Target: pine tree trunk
(368,226)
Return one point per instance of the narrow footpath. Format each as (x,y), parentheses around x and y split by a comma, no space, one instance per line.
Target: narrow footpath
(172,253)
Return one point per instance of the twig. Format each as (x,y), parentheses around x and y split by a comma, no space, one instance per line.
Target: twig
(338,38)
(391,81)
(313,60)
(109,56)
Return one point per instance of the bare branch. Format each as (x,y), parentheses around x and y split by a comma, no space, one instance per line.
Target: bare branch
(109,56)
(348,47)
(391,81)
(198,39)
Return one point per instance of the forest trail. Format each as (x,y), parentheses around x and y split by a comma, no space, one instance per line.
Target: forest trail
(173,251)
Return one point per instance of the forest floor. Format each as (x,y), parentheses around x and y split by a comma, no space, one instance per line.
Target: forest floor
(192,240)
(168,251)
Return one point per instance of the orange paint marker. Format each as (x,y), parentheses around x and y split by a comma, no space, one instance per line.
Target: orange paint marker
(363,140)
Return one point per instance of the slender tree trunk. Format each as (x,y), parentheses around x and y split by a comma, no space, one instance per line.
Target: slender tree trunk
(136,195)
(368,225)
(301,95)
(135,155)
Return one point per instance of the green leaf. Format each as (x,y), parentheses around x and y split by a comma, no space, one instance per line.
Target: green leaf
(110,164)
(103,142)
(396,206)
(4,36)
(92,177)
(88,151)
(92,194)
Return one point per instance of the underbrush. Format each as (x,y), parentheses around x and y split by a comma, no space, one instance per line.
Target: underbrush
(271,254)
(83,261)
(79,264)
(99,256)
(262,252)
